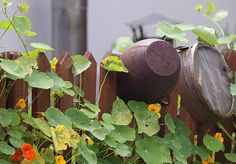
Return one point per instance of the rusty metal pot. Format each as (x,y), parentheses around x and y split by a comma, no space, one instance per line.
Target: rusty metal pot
(205,83)
(154,67)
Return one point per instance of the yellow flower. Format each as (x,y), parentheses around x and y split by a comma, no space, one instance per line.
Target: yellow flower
(87,139)
(219,137)
(208,160)
(155,108)
(21,103)
(60,159)
(53,63)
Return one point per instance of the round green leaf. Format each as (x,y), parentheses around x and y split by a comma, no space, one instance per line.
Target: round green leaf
(6,149)
(13,68)
(56,117)
(147,122)
(43,126)
(206,34)
(123,134)
(100,133)
(219,15)
(153,151)
(22,23)
(136,106)
(121,114)
(16,142)
(181,128)
(212,143)
(123,150)
(121,44)
(5,117)
(231,157)
(39,80)
(88,154)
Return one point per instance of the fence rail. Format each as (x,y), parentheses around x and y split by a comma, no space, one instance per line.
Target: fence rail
(41,98)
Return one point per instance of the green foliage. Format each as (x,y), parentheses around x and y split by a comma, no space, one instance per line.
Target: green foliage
(24,7)
(212,143)
(171,31)
(56,117)
(6,25)
(6,149)
(81,64)
(121,114)
(170,123)
(231,157)
(42,47)
(153,151)
(121,44)
(206,34)
(113,63)
(22,23)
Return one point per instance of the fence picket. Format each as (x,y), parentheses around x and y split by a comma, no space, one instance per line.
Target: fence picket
(40,97)
(63,69)
(89,79)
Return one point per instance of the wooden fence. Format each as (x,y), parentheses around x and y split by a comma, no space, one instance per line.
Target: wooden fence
(41,98)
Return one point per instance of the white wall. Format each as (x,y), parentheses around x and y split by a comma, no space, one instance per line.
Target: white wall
(107,18)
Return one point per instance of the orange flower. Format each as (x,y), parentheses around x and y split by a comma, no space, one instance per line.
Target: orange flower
(219,137)
(60,159)
(208,160)
(16,157)
(21,104)
(28,151)
(155,108)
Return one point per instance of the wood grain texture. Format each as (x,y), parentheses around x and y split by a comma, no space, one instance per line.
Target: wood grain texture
(89,79)
(64,70)
(40,97)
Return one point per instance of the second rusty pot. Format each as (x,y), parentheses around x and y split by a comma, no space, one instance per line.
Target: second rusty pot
(154,67)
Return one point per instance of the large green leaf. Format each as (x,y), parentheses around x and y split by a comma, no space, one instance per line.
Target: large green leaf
(56,117)
(81,63)
(121,44)
(153,151)
(212,143)
(16,142)
(43,126)
(77,117)
(5,117)
(136,106)
(88,154)
(15,119)
(147,122)
(171,31)
(181,128)
(41,46)
(15,133)
(91,106)
(3,161)
(13,68)
(58,82)
(219,15)
(226,39)
(100,133)
(6,149)
(121,114)
(39,80)
(22,23)
(201,152)
(28,63)
(113,63)
(123,150)
(123,134)
(231,157)
(185,26)
(206,34)
(170,123)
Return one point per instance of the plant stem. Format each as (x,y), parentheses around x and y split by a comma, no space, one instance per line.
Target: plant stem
(17,33)
(100,90)
(220,126)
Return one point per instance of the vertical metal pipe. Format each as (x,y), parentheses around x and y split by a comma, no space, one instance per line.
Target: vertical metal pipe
(69,26)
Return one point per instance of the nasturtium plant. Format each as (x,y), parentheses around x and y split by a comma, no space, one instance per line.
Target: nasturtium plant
(121,45)
(113,63)
(81,64)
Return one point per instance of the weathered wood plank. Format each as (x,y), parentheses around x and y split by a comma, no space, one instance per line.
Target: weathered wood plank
(40,97)
(64,70)
(89,78)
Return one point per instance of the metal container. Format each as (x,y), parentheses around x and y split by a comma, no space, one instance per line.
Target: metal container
(205,83)
(69,24)
(154,67)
